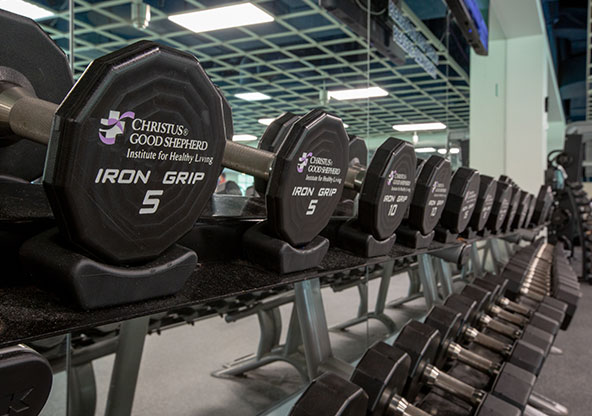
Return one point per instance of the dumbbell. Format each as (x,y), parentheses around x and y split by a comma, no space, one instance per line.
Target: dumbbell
(523,207)
(544,200)
(484,203)
(497,286)
(460,204)
(422,343)
(507,381)
(513,204)
(521,352)
(380,375)
(329,395)
(384,186)
(528,331)
(358,156)
(427,203)
(305,177)
(111,192)
(531,208)
(499,209)
(525,282)
(26,381)
(537,320)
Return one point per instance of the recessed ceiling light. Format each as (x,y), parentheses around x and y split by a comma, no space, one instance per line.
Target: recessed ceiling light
(345,125)
(425,150)
(243,14)
(419,127)
(252,96)
(454,150)
(243,138)
(356,94)
(266,121)
(26,9)
(442,151)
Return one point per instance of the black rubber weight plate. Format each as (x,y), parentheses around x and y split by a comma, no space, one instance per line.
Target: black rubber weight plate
(272,138)
(28,50)
(501,203)
(462,197)
(307,178)
(431,191)
(387,188)
(487,188)
(137,153)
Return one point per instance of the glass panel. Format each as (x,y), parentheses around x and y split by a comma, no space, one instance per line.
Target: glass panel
(294,63)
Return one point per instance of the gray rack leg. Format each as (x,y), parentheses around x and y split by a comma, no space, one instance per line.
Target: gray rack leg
(427,278)
(496,257)
(378,313)
(269,349)
(126,367)
(476,265)
(314,330)
(414,292)
(444,277)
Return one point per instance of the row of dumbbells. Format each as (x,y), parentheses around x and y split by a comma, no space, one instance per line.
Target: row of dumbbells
(479,353)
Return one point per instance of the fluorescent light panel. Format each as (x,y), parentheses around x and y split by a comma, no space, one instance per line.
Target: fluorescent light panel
(265,121)
(454,150)
(252,96)
(425,150)
(243,138)
(358,93)
(243,14)
(268,121)
(419,127)
(26,9)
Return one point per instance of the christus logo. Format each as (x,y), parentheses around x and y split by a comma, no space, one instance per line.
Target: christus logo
(391,177)
(434,186)
(115,126)
(303,162)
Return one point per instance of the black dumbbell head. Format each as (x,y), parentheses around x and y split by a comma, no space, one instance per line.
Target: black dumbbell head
(382,373)
(307,178)
(449,323)
(461,201)
(500,207)
(272,139)
(422,343)
(331,395)
(431,191)
(26,381)
(387,188)
(487,188)
(135,152)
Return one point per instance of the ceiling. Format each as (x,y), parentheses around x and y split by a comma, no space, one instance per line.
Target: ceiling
(305,51)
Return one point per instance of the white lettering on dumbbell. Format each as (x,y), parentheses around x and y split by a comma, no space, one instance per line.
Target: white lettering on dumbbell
(123,176)
(173,177)
(327,191)
(303,191)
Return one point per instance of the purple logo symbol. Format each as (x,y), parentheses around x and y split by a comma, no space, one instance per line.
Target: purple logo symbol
(434,186)
(303,162)
(391,177)
(116,126)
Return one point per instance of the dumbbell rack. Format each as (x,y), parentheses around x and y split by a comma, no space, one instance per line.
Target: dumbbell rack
(25,304)
(220,285)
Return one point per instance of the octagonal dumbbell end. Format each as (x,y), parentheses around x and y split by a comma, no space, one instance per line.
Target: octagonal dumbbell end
(130,108)
(331,395)
(382,372)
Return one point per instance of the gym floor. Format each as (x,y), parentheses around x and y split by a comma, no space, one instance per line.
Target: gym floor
(175,373)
